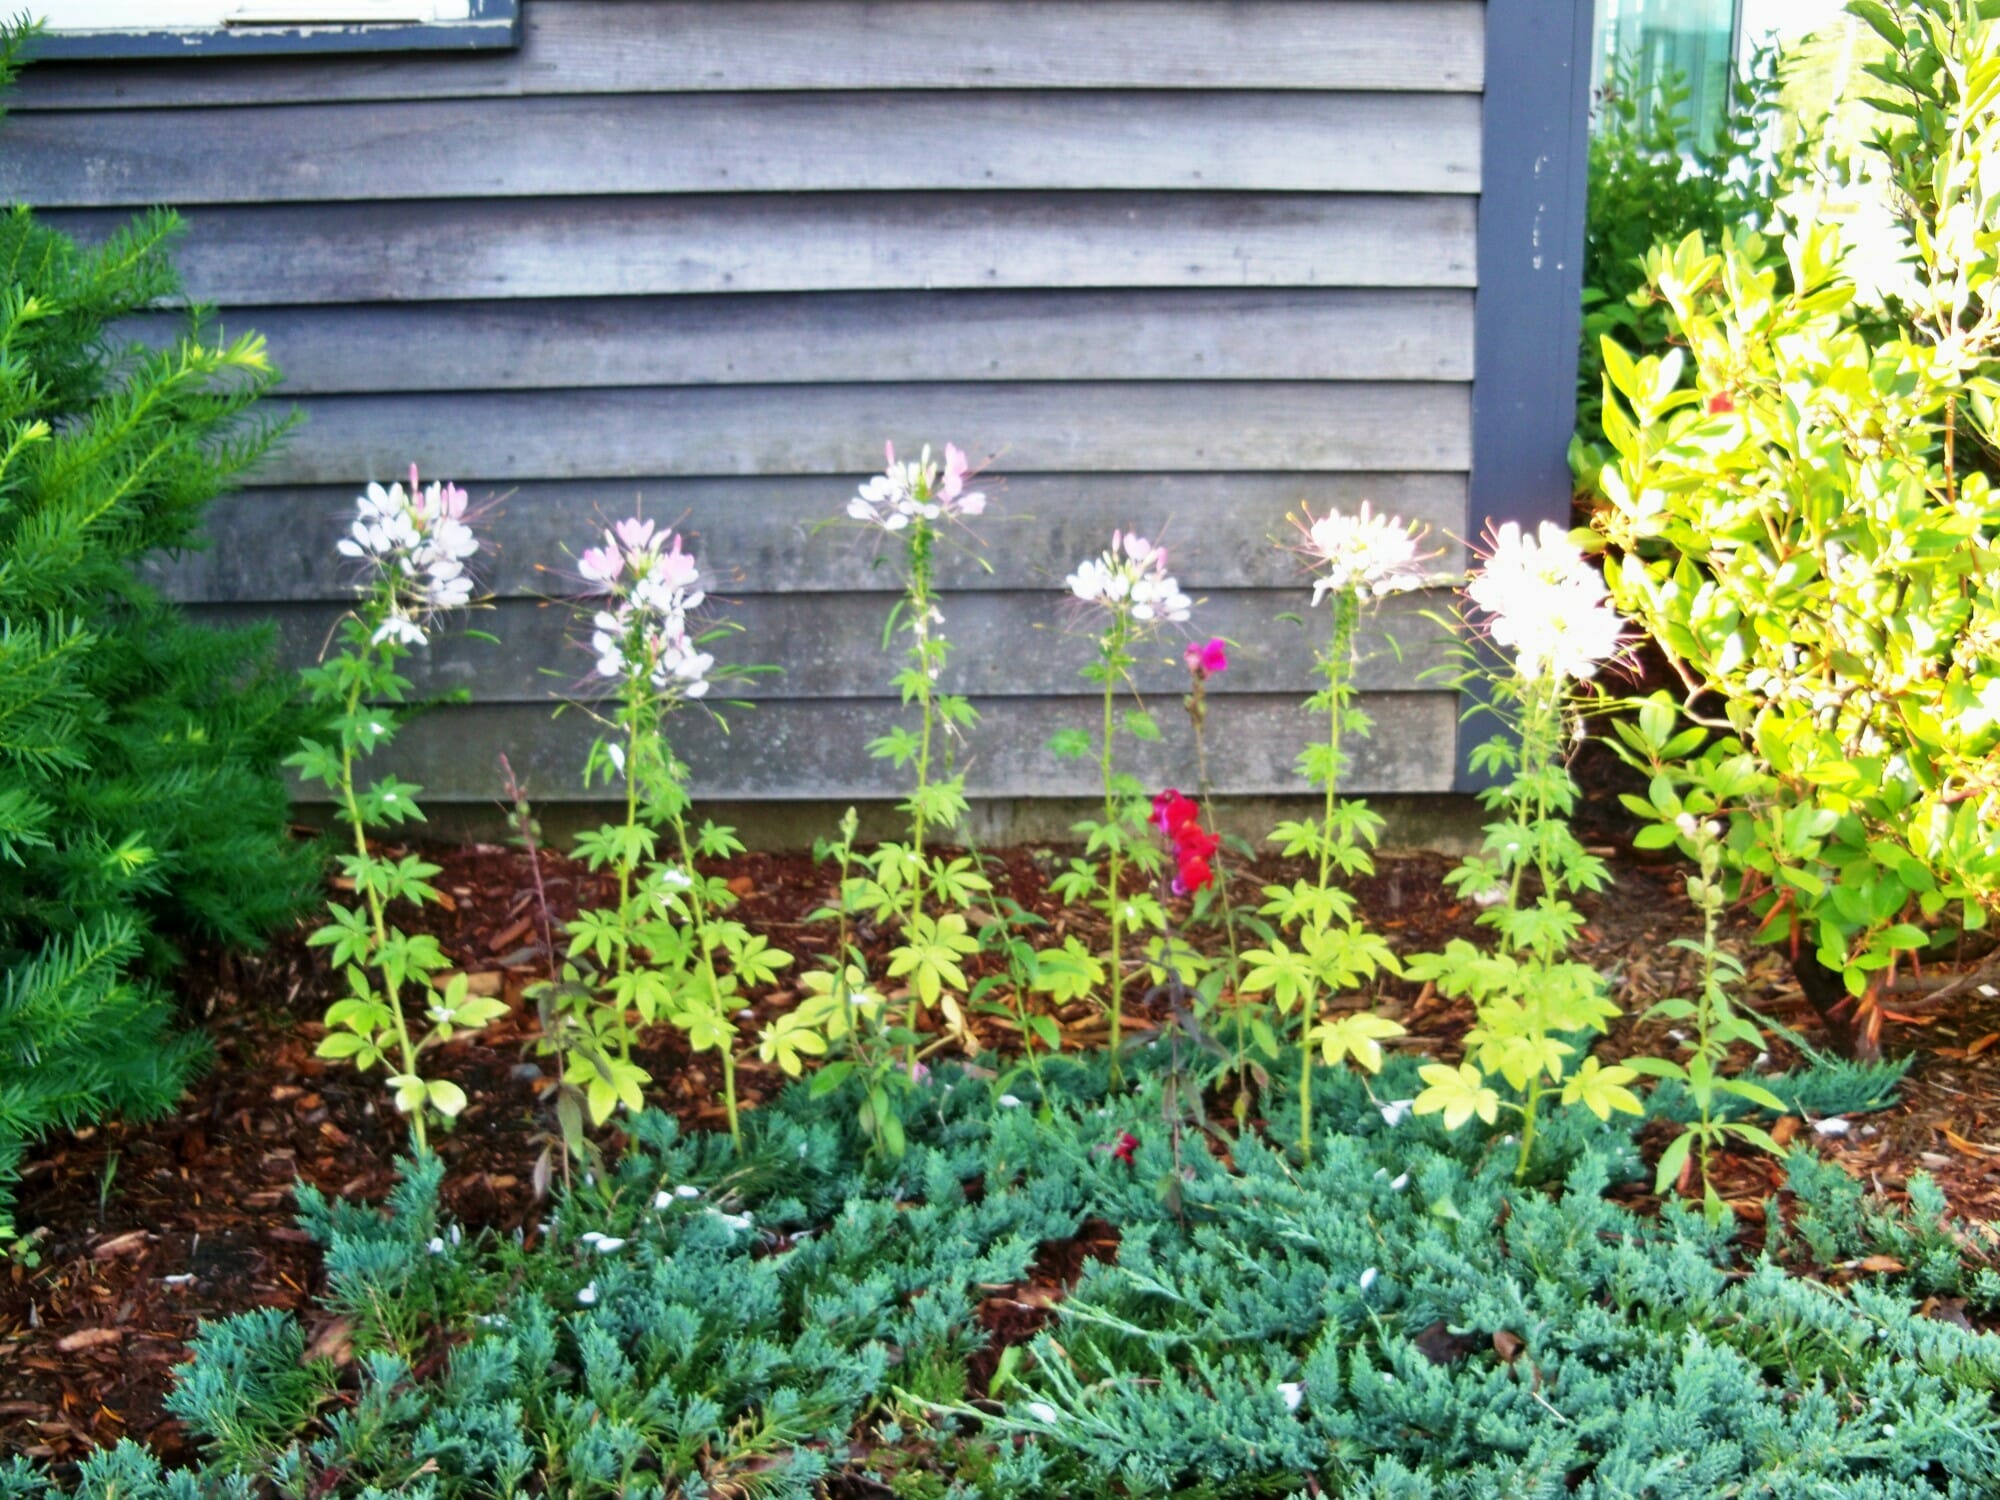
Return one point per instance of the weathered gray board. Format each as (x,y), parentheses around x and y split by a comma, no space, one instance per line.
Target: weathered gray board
(748,143)
(836,338)
(816,749)
(1017,643)
(787,534)
(832,429)
(692,46)
(1163,263)
(609,247)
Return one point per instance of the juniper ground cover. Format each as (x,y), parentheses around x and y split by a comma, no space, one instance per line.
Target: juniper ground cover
(1398,1319)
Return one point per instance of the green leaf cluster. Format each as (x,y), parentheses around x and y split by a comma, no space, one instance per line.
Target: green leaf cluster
(1801,515)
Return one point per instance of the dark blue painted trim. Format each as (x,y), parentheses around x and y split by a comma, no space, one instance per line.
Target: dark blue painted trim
(492,24)
(1527,309)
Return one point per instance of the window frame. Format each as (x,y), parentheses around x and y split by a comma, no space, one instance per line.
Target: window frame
(489,25)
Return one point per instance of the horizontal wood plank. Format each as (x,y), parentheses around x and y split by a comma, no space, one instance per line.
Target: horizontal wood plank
(637,46)
(760,534)
(1028,427)
(1007,644)
(861,337)
(438,251)
(811,750)
(746,143)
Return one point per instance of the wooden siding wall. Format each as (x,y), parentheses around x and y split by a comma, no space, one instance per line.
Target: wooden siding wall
(1173,264)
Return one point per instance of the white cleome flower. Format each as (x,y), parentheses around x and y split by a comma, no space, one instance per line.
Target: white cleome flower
(914,490)
(416,543)
(1545,602)
(642,633)
(1131,578)
(1364,554)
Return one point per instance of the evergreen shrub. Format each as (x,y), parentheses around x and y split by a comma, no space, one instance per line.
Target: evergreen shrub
(140,797)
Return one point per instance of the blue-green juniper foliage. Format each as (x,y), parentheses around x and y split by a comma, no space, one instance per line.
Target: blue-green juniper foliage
(1398,1319)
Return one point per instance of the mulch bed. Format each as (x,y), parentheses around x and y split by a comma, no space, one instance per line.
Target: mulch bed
(143,1229)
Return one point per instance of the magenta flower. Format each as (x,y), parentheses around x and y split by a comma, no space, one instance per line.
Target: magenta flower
(1207,658)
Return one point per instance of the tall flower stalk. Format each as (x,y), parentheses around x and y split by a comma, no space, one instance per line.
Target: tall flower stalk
(1355,560)
(1132,597)
(913,501)
(1537,600)
(660,951)
(413,546)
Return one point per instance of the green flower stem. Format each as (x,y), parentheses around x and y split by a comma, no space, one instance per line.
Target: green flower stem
(699,910)
(632,716)
(920,558)
(1114,867)
(920,601)
(1339,664)
(1540,726)
(390,990)
(1530,1112)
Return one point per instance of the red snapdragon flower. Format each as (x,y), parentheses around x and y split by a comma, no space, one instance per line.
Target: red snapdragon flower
(1127,1144)
(1193,846)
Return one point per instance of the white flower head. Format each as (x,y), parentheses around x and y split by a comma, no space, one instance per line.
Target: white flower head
(1364,554)
(416,543)
(641,633)
(1545,602)
(917,490)
(1131,578)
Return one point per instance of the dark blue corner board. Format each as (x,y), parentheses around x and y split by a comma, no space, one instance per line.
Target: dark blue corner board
(1527,310)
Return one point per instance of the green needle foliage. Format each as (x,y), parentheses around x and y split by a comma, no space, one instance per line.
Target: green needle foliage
(140,800)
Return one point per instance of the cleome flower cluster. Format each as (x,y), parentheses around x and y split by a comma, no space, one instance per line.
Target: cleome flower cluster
(654,586)
(903,492)
(1545,602)
(416,543)
(1131,578)
(1179,818)
(1364,554)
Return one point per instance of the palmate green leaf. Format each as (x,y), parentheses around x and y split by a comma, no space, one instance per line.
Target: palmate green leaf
(1139,724)
(1287,975)
(1602,1090)
(1071,972)
(347,1046)
(315,762)
(1070,744)
(348,932)
(754,960)
(1358,1036)
(1457,1093)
